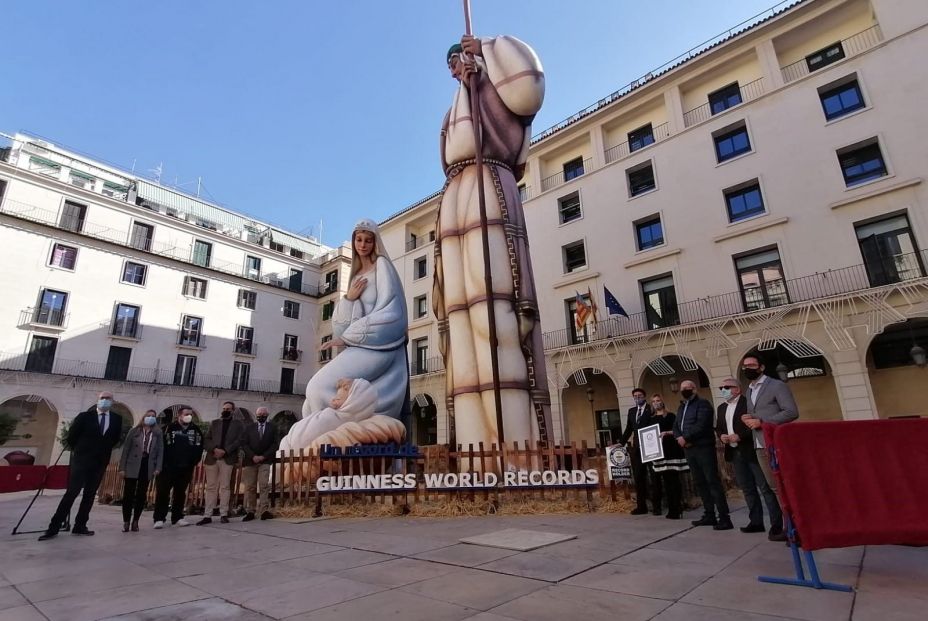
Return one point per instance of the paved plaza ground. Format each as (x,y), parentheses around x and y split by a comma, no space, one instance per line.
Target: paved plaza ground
(618,567)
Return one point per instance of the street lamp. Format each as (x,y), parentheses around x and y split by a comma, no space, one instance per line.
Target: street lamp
(783,372)
(674,384)
(918,355)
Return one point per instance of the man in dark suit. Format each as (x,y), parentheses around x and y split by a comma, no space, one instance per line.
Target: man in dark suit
(738,440)
(693,430)
(91,437)
(638,416)
(260,448)
(222,443)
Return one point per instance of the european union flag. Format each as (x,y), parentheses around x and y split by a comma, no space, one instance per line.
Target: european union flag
(613,304)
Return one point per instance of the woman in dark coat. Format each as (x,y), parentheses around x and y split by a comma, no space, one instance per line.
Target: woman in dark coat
(666,471)
(141,459)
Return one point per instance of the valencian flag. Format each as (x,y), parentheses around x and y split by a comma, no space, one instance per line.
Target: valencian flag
(613,304)
(594,310)
(582,312)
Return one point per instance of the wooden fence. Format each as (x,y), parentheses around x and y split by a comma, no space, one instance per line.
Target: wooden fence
(294,477)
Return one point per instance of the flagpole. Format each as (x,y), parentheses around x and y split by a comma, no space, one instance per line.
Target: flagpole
(485,237)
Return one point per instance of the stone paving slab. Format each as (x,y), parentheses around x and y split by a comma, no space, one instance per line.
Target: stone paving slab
(661,583)
(476,589)
(286,600)
(389,605)
(690,612)
(397,572)
(11,598)
(465,555)
(539,566)
(560,602)
(518,539)
(22,613)
(212,609)
(82,582)
(93,606)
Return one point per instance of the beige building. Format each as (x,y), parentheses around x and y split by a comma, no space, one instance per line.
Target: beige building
(761,194)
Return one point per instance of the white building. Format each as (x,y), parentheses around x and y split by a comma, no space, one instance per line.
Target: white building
(111,281)
(763,193)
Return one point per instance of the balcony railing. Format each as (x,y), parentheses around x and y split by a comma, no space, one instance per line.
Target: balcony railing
(621,151)
(38,316)
(291,354)
(852,46)
(179,252)
(749,92)
(99,370)
(420,241)
(526,193)
(245,346)
(436,364)
(553,181)
(817,286)
(124,329)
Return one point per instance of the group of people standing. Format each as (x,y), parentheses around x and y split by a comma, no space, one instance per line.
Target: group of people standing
(169,456)
(689,437)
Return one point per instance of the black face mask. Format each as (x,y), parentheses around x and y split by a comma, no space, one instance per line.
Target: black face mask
(262,419)
(225,414)
(751,374)
(686,393)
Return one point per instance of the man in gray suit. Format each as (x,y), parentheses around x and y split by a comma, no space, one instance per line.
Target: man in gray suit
(769,401)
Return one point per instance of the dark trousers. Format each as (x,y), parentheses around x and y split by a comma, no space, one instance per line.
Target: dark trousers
(751,480)
(84,476)
(705,468)
(171,485)
(668,480)
(640,474)
(134,492)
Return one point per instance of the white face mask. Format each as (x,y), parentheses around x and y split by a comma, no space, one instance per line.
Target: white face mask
(186,419)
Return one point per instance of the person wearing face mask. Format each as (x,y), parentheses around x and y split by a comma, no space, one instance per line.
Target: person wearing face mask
(259,449)
(91,438)
(141,460)
(694,431)
(769,401)
(183,447)
(639,416)
(665,473)
(738,441)
(222,442)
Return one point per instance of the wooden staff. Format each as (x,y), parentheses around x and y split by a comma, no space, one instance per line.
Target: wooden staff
(485,236)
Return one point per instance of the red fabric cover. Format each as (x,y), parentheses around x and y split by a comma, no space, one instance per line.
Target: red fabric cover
(20,478)
(57,477)
(850,483)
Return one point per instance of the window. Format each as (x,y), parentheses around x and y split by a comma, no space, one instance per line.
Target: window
(640,179)
(760,278)
(247,299)
(571,308)
(185,370)
(63,256)
(420,306)
(134,273)
(731,143)
(568,208)
(72,216)
(640,138)
(202,253)
(573,169)
(523,193)
(41,357)
(44,166)
(327,310)
(331,281)
(291,350)
(291,309)
(2,182)
(420,268)
(117,363)
(277,247)
(194,287)
(297,254)
(50,311)
(574,256)
(840,100)
(141,236)
(241,372)
(420,348)
(326,354)
(126,321)
(862,162)
(244,340)
(824,57)
(81,180)
(295,280)
(660,302)
(744,202)
(649,233)
(252,267)
(114,190)
(725,98)
(889,250)
(190,331)
(286,381)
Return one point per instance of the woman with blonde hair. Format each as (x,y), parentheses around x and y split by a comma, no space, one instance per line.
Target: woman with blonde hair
(666,472)
(141,460)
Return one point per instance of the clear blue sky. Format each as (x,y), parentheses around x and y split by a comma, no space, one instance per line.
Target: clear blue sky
(296,111)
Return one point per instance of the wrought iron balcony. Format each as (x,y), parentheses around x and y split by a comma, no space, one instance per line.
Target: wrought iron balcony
(291,354)
(43,316)
(852,46)
(821,285)
(245,346)
(749,92)
(560,178)
(435,364)
(623,150)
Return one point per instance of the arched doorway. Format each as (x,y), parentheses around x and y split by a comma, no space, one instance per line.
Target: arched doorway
(243,415)
(590,407)
(36,428)
(169,414)
(424,424)
(808,375)
(896,366)
(664,375)
(283,421)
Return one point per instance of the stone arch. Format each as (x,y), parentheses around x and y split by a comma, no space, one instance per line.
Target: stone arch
(807,371)
(895,377)
(38,421)
(169,414)
(424,424)
(664,375)
(243,414)
(283,421)
(590,407)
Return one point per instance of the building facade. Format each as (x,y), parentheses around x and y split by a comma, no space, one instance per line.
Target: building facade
(111,281)
(764,194)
